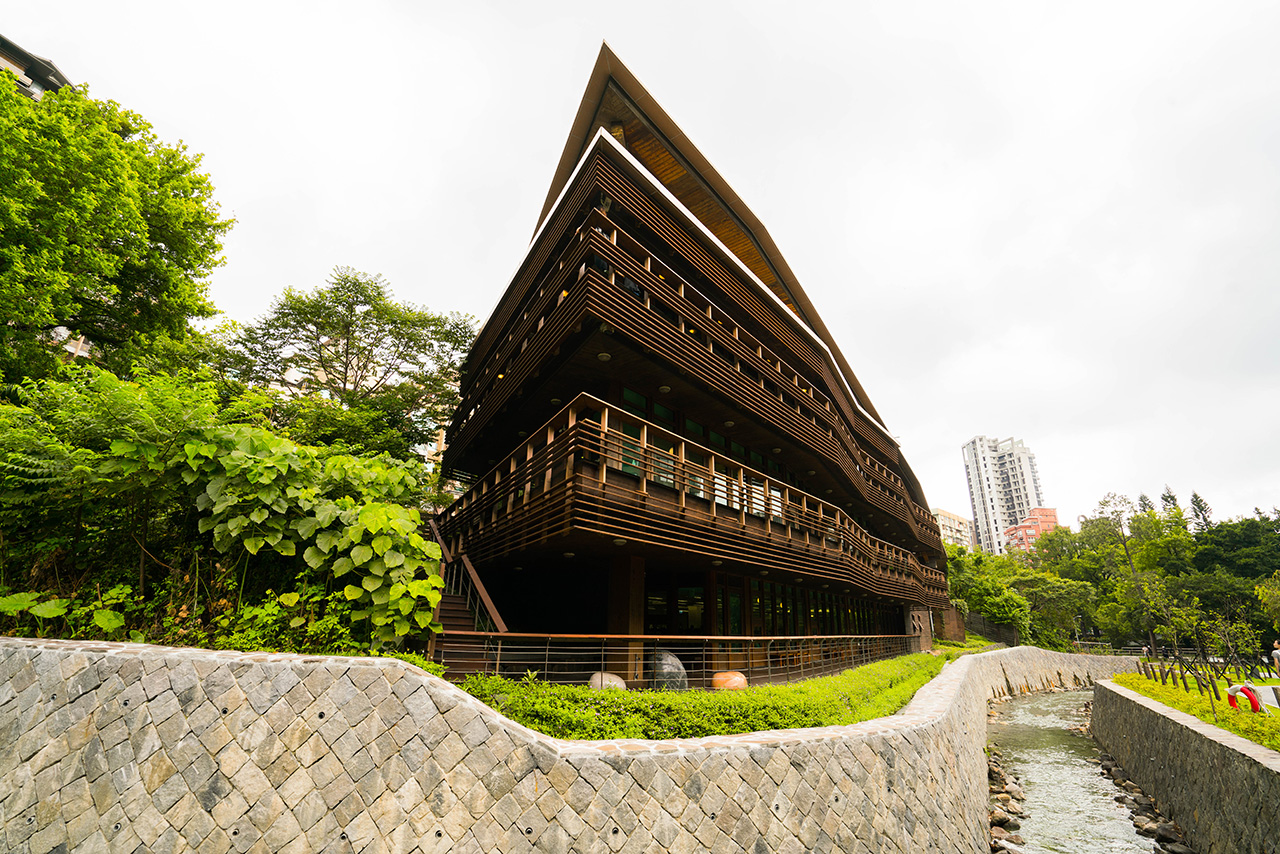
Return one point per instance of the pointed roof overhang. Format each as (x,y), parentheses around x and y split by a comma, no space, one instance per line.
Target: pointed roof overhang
(616,101)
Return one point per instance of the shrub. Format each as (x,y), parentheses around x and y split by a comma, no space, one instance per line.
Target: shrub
(575,711)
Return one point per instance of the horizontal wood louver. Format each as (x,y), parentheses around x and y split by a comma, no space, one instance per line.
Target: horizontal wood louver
(646,315)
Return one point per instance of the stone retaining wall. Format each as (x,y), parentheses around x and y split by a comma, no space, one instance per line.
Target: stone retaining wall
(1223,790)
(123,747)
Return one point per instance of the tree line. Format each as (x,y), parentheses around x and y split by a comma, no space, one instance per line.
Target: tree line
(1134,573)
(257,485)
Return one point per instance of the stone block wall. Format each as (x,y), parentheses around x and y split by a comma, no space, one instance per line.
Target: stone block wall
(1222,789)
(122,748)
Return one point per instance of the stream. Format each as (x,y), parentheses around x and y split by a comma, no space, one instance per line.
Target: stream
(1070,807)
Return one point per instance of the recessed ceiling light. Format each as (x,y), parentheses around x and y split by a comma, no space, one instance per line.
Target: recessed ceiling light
(777,450)
(716,562)
(568,554)
(619,542)
(810,472)
(663,389)
(604,357)
(728,423)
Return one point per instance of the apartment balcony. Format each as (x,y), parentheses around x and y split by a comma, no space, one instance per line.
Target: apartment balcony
(596,474)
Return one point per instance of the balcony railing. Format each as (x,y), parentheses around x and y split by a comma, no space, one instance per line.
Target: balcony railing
(597,468)
(572,659)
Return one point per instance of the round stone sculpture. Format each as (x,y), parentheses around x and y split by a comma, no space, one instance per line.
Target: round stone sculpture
(668,672)
(603,679)
(728,680)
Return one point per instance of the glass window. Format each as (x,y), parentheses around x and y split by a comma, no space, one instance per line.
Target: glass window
(693,428)
(631,462)
(663,452)
(635,402)
(664,412)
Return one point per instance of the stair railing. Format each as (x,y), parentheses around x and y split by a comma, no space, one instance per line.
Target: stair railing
(461,578)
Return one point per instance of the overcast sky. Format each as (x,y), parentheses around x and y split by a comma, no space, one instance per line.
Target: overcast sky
(1055,221)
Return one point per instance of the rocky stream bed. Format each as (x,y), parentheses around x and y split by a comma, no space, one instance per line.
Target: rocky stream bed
(1054,790)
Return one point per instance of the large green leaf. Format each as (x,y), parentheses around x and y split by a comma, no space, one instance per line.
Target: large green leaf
(18,602)
(288,599)
(50,609)
(314,557)
(352,592)
(371,582)
(108,620)
(360,554)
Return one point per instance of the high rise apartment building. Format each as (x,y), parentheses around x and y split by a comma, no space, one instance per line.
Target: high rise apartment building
(1004,487)
(955,528)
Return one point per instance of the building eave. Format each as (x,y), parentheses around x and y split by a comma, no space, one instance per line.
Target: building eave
(609,69)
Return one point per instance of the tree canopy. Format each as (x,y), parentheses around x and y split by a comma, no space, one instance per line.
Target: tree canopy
(358,368)
(105,231)
(1135,573)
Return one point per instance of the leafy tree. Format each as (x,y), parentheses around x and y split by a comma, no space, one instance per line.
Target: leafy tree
(1169,500)
(1268,593)
(105,231)
(358,367)
(1144,503)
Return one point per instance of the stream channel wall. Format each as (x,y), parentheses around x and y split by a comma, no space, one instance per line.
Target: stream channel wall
(129,747)
(1223,790)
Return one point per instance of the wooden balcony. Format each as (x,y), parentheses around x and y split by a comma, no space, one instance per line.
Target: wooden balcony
(667,316)
(596,469)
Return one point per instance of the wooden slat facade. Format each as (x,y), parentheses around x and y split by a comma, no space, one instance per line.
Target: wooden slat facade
(642,419)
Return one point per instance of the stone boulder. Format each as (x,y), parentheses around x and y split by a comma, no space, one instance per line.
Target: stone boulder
(668,671)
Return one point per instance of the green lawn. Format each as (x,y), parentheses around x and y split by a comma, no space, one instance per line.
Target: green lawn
(1257,727)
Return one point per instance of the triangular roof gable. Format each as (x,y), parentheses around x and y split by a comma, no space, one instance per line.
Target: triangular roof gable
(617,101)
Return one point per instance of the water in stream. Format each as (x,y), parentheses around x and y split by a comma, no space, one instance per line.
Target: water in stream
(1070,807)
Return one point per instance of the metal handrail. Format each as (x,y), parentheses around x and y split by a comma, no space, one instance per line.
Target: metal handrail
(576,658)
(472,577)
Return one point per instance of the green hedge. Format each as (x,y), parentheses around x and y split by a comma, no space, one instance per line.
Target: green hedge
(1261,728)
(574,711)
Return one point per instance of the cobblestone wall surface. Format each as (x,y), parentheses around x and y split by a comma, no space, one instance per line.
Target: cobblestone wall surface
(1222,789)
(122,748)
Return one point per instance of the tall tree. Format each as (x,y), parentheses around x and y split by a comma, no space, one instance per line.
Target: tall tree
(360,369)
(1201,512)
(105,231)
(1168,499)
(1144,503)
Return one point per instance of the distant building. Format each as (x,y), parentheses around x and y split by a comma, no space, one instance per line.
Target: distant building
(1023,536)
(36,75)
(956,529)
(1004,487)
